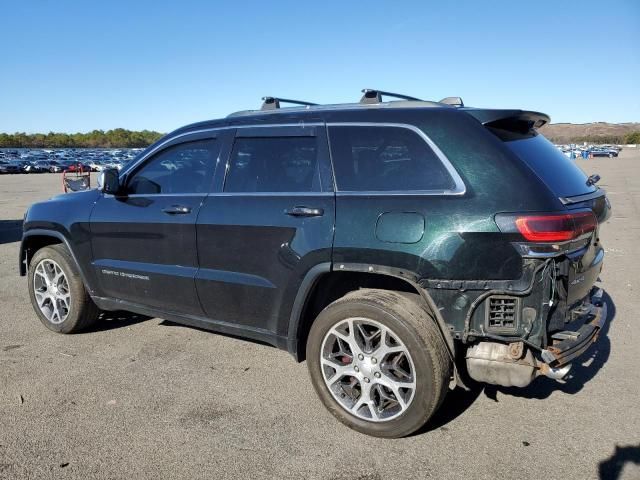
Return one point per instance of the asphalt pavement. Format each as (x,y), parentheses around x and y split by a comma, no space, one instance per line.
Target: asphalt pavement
(146,398)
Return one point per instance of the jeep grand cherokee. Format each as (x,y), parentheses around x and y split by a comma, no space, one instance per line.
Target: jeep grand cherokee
(398,246)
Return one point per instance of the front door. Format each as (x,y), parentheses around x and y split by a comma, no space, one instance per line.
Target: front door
(269,222)
(144,240)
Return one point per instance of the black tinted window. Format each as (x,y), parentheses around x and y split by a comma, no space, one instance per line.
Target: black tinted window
(273,164)
(559,173)
(385,159)
(184,168)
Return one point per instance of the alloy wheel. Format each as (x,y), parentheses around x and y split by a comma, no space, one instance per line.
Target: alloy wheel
(367,369)
(51,290)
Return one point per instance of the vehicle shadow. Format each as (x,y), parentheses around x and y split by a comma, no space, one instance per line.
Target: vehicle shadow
(119,319)
(455,404)
(10,231)
(584,368)
(611,468)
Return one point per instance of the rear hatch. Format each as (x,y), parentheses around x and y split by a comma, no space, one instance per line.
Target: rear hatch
(518,131)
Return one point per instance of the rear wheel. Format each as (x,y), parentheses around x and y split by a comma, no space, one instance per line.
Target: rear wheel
(57,293)
(378,362)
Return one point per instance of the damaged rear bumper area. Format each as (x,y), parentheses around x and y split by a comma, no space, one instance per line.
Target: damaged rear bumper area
(569,345)
(515,365)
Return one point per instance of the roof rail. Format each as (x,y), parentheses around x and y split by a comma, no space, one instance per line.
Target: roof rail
(454,101)
(271,103)
(375,96)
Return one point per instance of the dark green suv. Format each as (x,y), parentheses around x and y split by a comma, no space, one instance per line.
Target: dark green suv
(399,247)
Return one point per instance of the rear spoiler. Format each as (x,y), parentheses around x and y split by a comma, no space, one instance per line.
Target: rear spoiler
(502,117)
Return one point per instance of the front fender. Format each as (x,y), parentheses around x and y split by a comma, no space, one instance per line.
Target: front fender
(27,250)
(62,219)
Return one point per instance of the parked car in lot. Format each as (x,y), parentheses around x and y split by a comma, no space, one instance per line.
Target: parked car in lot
(55,166)
(32,167)
(74,166)
(396,246)
(604,153)
(95,165)
(42,166)
(11,166)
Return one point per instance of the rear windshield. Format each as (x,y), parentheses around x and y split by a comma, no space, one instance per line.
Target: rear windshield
(560,173)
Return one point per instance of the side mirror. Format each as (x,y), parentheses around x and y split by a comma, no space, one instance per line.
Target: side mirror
(109,181)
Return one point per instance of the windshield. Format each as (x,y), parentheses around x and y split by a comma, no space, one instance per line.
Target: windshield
(558,172)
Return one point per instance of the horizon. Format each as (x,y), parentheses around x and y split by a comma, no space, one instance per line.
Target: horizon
(79,67)
(164,133)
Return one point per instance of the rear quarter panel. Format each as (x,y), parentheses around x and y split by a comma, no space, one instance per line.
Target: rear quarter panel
(461,240)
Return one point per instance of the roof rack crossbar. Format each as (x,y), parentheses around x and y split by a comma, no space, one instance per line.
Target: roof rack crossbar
(375,96)
(271,103)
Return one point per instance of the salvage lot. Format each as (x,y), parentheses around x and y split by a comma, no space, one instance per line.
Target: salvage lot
(147,398)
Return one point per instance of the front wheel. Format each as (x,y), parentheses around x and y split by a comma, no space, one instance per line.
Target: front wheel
(378,362)
(57,293)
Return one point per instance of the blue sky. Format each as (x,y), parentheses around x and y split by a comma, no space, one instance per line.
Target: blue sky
(80,65)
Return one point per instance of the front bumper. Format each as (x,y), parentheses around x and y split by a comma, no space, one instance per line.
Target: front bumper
(569,345)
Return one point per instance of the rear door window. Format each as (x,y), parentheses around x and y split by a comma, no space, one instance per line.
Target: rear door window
(273,164)
(385,158)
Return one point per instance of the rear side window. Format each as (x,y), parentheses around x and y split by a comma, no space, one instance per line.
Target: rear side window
(273,164)
(385,158)
(558,172)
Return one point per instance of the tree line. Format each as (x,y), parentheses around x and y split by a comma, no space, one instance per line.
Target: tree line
(629,138)
(121,138)
(116,138)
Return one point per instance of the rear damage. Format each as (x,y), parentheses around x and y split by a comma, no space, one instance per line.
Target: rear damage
(509,332)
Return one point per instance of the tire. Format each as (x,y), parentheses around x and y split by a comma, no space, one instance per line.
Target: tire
(80,312)
(396,315)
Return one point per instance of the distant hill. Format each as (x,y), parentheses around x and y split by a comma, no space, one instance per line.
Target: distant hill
(599,132)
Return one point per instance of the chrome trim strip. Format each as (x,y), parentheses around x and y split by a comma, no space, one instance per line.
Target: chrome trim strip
(160,195)
(156,195)
(398,193)
(301,124)
(159,146)
(271,194)
(459,189)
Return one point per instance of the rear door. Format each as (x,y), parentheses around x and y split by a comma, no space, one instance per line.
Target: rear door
(269,221)
(144,240)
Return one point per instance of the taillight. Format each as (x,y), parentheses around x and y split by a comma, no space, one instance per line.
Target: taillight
(549,228)
(585,222)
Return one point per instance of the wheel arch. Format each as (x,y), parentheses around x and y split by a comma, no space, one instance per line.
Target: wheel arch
(34,240)
(322,285)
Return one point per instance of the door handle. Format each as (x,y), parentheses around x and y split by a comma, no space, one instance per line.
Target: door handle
(176,210)
(304,212)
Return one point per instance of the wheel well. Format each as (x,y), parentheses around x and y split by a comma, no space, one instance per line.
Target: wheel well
(334,285)
(34,243)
